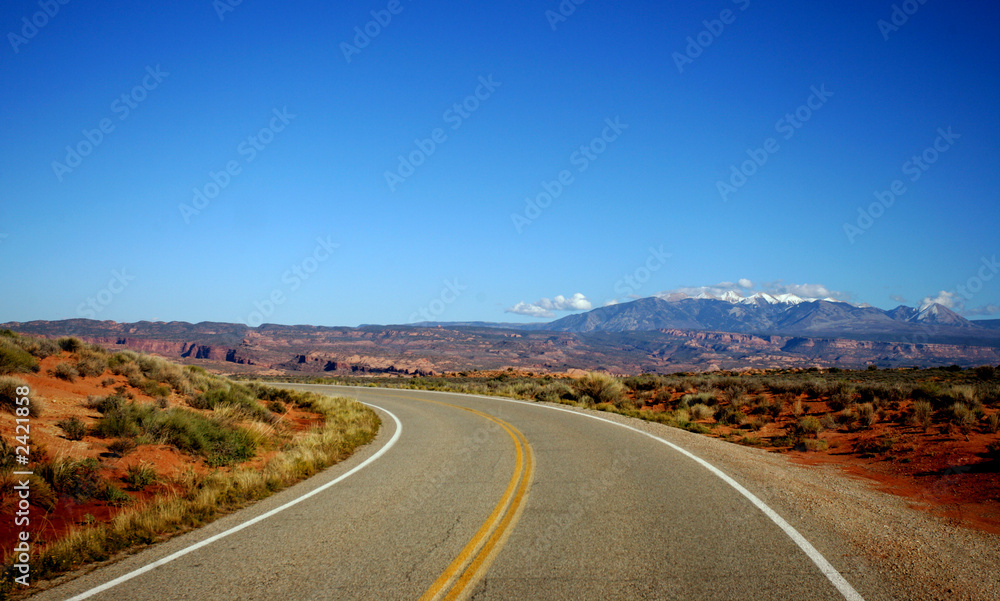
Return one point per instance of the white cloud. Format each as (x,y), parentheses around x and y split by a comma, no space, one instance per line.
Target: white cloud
(746,287)
(805,290)
(899,298)
(716,290)
(545,307)
(948,299)
(984,310)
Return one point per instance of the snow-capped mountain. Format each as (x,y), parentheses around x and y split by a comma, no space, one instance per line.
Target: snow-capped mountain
(757,298)
(785,314)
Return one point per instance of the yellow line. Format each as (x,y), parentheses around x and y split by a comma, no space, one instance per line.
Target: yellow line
(475,558)
(491,549)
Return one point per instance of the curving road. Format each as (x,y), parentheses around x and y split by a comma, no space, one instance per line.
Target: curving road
(471,497)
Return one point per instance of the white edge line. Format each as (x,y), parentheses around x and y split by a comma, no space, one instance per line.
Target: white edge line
(260,518)
(817,558)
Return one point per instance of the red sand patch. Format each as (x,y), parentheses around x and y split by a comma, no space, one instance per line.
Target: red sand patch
(941,470)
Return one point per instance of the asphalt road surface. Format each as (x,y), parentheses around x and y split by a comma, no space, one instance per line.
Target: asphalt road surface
(465,497)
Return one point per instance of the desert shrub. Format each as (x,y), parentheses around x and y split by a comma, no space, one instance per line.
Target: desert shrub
(740,401)
(219,443)
(700,411)
(154,389)
(70,344)
(846,416)
(107,382)
(37,347)
(276,407)
(963,394)
(758,423)
(733,389)
(91,364)
(988,393)
(556,392)
(772,408)
(603,388)
(79,479)
(162,402)
(867,415)
(797,408)
(113,495)
(963,417)
(986,372)
(122,446)
(14,359)
(65,371)
(126,420)
(840,399)
(921,413)
(8,391)
(808,426)
(643,382)
(730,416)
(140,476)
(816,388)
(932,393)
(235,395)
(663,395)
(704,398)
(828,422)
(811,445)
(117,360)
(105,404)
(875,445)
(993,423)
(73,427)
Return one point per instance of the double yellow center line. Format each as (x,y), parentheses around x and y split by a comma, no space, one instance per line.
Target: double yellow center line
(460,577)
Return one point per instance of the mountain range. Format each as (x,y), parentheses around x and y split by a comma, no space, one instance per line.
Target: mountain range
(781,315)
(655,334)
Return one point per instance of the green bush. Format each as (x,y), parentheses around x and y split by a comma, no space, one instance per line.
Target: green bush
(808,426)
(73,427)
(730,416)
(921,414)
(867,415)
(986,372)
(603,388)
(700,411)
(190,432)
(79,479)
(993,423)
(811,445)
(70,344)
(140,476)
(114,495)
(107,403)
(963,417)
(14,359)
(65,371)
(122,446)
(8,391)
(154,389)
(91,364)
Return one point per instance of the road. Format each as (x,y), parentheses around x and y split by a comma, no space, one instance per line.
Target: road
(470,497)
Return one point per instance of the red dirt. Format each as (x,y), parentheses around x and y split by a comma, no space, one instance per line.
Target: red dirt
(940,470)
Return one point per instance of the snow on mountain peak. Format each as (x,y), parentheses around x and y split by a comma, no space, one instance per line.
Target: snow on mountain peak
(757,298)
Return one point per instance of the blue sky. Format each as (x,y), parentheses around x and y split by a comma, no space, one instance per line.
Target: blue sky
(299,133)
